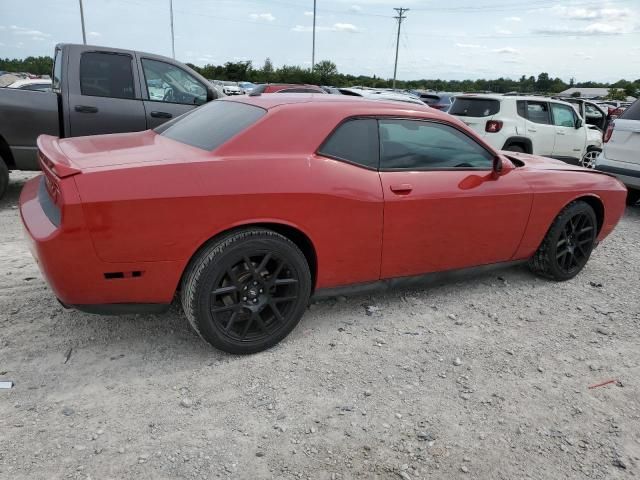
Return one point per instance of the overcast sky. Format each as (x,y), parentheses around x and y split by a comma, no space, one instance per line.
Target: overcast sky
(585,39)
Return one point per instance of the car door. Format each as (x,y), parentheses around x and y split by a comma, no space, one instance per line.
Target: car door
(104,97)
(168,91)
(539,127)
(444,208)
(570,142)
(624,144)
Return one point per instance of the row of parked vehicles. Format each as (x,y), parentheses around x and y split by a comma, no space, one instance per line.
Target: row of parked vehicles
(96,90)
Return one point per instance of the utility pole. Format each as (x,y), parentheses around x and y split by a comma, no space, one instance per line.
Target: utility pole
(313,47)
(400,17)
(84,35)
(173,41)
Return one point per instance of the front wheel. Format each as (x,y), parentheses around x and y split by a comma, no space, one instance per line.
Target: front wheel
(568,244)
(589,158)
(247,291)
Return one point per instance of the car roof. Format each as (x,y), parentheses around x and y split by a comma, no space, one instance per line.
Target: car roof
(345,103)
(497,96)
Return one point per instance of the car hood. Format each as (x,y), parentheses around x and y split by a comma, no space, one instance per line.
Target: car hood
(121,149)
(542,163)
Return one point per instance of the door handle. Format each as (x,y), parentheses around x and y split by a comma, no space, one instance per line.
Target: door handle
(560,133)
(401,188)
(161,115)
(86,109)
(533,130)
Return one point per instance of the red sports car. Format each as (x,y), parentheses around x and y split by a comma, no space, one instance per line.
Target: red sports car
(246,207)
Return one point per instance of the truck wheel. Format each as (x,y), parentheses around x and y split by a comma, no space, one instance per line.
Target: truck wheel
(515,148)
(4,178)
(568,244)
(247,291)
(632,197)
(589,158)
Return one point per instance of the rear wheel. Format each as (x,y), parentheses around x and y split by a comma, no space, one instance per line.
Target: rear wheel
(515,148)
(247,291)
(633,196)
(4,178)
(568,244)
(589,158)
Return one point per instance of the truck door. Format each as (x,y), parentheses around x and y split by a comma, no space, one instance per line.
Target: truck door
(571,142)
(104,94)
(168,90)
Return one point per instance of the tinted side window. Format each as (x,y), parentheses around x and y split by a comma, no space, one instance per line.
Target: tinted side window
(522,108)
(633,112)
(563,116)
(106,75)
(57,71)
(416,145)
(354,141)
(538,112)
(211,125)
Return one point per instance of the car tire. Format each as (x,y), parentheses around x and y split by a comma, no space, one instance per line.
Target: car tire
(633,196)
(568,244)
(515,148)
(4,178)
(588,160)
(246,291)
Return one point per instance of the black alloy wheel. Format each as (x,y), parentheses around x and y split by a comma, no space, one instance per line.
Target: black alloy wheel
(245,291)
(568,244)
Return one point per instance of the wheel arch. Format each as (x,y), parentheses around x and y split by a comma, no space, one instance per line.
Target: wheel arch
(594,202)
(525,142)
(299,237)
(5,154)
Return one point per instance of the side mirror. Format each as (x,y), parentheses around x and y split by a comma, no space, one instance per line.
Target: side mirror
(497,165)
(578,123)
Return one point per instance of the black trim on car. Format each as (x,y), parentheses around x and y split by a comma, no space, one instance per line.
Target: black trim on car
(525,141)
(618,171)
(49,208)
(414,281)
(122,308)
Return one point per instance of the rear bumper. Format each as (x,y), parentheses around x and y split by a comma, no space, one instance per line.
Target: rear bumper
(69,264)
(627,173)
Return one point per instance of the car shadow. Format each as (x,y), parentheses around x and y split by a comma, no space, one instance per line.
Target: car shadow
(16,182)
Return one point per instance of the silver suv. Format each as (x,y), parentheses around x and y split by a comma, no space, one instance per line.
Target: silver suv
(621,154)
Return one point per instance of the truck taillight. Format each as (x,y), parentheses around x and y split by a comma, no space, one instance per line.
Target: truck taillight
(493,126)
(608,132)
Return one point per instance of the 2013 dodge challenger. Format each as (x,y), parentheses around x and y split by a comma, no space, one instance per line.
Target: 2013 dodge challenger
(245,208)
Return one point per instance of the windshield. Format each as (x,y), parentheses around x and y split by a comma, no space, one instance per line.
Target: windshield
(211,125)
(474,107)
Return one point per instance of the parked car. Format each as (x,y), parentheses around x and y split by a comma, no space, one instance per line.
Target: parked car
(536,125)
(372,94)
(621,154)
(95,90)
(231,88)
(39,84)
(282,197)
(331,90)
(285,88)
(440,100)
(246,87)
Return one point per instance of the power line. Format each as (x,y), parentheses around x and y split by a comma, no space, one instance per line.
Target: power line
(84,35)
(313,44)
(401,11)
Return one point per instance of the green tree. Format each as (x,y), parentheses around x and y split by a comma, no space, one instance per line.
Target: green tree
(576,94)
(326,70)
(617,94)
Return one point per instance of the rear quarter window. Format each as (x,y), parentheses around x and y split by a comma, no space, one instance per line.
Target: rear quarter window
(355,141)
(211,125)
(474,107)
(633,112)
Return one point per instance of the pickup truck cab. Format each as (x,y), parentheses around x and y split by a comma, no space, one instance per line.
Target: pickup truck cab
(95,90)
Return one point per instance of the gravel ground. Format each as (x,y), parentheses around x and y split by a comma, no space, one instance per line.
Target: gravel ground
(485,378)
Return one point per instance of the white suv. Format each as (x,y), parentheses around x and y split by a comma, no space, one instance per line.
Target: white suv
(621,154)
(537,125)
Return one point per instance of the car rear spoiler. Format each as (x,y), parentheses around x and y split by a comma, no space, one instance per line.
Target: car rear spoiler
(52,157)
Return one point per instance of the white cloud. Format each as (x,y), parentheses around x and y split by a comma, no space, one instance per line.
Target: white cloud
(503,31)
(468,45)
(262,16)
(584,56)
(308,14)
(337,27)
(506,51)
(592,29)
(513,19)
(355,8)
(28,32)
(95,34)
(576,13)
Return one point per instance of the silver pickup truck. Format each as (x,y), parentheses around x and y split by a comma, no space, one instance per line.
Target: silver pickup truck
(95,90)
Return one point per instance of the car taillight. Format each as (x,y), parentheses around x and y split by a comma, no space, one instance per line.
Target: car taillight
(493,126)
(608,132)
(617,112)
